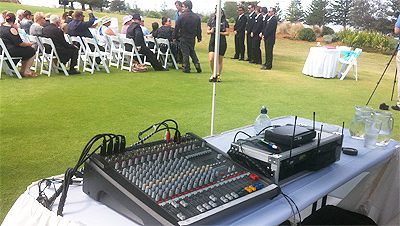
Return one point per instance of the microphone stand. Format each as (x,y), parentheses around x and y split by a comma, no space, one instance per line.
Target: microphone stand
(387,65)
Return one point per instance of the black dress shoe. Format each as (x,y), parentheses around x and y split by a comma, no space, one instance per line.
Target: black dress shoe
(198,69)
(234,58)
(251,62)
(185,71)
(163,69)
(396,108)
(265,68)
(247,59)
(242,59)
(73,72)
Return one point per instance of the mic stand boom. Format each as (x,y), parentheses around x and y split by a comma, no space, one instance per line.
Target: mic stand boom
(387,65)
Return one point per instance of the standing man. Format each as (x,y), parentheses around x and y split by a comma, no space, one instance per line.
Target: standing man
(135,32)
(188,27)
(268,35)
(178,5)
(239,31)
(396,31)
(65,50)
(249,28)
(255,36)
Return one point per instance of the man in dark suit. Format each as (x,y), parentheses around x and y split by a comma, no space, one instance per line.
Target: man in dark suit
(249,28)
(239,30)
(134,32)
(269,38)
(65,50)
(255,35)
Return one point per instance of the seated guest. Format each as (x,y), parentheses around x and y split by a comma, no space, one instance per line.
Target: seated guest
(47,18)
(93,29)
(69,17)
(167,31)
(36,28)
(3,15)
(65,50)
(135,32)
(20,16)
(104,30)
(16,47)
(127,20)
(27,22)
(145,31)
(154,26)
(78,26)
(64,17)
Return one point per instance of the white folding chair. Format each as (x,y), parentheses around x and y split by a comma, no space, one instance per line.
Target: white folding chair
(76,40)
(48,58)
(151,43)
(68,38)
(164,55)
(5,56)
(39,51)
(115,51)
(348,63)
(127,56)
(90,56)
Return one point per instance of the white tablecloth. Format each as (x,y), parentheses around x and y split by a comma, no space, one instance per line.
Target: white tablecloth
(82,210)
(322,62)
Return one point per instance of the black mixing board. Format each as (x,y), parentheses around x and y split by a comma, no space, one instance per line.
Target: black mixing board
(169,183)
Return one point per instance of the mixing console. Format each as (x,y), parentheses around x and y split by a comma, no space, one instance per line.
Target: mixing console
(169,183)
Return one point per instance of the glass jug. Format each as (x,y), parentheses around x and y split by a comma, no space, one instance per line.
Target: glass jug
(357,124)
(387,126)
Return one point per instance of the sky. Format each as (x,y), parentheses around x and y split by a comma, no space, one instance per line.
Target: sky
(199,6)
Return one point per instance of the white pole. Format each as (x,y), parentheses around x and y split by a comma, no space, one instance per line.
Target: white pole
(216,58)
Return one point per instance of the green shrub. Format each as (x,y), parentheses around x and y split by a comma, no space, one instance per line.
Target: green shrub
(307,34)
(327,39)
(154,14)
(393,43)
(317,31)
(327,31)
(204,19)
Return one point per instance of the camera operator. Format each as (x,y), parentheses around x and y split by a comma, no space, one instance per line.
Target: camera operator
(396,31)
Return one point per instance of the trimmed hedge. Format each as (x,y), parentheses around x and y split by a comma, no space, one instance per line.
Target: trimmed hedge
(307,34)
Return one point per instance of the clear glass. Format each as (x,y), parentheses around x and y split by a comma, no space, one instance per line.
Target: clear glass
(357,124)
(372,129)
(387,126)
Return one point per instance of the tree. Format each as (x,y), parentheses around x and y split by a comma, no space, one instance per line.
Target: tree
(99,4)
(361,15)
(341,11)
(318,13)
(83,3)
(295,11)
(117,6)
(278,12)
(230,9)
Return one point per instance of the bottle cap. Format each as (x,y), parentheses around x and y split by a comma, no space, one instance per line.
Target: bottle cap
(264,110)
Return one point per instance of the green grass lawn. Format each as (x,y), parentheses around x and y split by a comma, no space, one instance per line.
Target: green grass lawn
(46,121)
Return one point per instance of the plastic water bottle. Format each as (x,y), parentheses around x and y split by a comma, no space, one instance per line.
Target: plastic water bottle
(262,120)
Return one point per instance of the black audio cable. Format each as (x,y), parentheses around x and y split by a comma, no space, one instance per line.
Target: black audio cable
(157,128)
(290,201)
(108,143)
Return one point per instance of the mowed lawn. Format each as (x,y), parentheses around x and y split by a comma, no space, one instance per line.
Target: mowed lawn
(46,121)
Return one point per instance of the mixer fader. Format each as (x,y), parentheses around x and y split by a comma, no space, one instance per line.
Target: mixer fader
(170,183)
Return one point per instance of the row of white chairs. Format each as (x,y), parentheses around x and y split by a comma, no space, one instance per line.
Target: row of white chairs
(115,53)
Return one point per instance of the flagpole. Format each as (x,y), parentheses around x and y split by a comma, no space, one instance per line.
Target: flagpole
(216,60)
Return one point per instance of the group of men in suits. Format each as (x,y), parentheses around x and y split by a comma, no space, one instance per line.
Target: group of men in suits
(260,25)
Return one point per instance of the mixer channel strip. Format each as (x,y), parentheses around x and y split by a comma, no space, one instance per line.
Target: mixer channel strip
(179,184)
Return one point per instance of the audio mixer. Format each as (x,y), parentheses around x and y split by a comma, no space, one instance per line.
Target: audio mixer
(169,183)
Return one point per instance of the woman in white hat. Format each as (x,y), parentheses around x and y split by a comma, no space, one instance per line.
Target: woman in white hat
(104,29)
(127,20)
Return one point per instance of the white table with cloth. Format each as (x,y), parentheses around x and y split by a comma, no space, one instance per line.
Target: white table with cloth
(378,197)
(322,62)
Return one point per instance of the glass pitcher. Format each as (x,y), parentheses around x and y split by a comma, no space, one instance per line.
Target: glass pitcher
(387,126)
(357,124)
